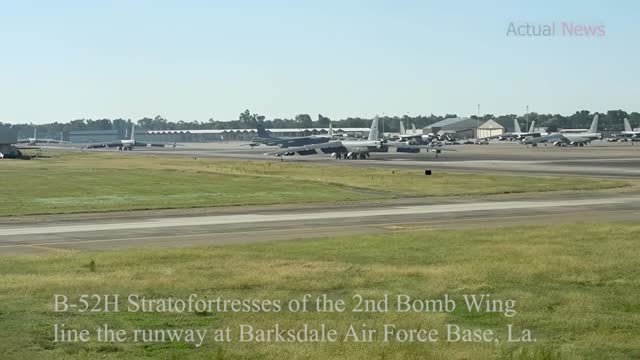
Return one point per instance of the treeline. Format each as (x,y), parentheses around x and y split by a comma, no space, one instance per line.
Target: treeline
(611,121)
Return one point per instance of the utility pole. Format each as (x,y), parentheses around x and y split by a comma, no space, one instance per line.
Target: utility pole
(478,121)
(526,119)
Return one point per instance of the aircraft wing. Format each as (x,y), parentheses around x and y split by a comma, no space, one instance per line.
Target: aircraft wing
(39,140)
(579,140)
(265,141)
(505,135)
(406,137)
(547,138)
(102,145)
(406,148)
(531,135)
(51,141)
(326,147)
(628,136)
(144,144)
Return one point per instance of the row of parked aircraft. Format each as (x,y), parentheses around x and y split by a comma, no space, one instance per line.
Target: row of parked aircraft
(417,139)
(567,137)
(413,143)
(35,140)
(264,138)
(340,146)
(125,144)
(122,144)
(628,132)
(517,134)
(344,147)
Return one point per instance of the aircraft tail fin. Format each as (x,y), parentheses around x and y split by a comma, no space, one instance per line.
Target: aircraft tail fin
(532,127)
(516,126)
(413,127)
(402,129)
(594,125)
(330,130)
(133,132)
(373,133)
(261,131)
(627,126)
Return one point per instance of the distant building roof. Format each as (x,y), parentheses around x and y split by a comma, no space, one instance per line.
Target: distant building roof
(454,124)
(93,132)
(275,131)
(491,125)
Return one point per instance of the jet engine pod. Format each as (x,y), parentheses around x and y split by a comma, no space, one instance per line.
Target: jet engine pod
(307,152)
(408,150)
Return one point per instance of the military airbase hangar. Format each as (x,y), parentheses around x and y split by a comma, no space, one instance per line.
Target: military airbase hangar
(461,127)
(217,135)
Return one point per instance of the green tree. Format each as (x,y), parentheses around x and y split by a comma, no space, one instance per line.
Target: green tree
(323,121)
(614,120)
(304,121)
(145,123)
(246,118)
(249,120)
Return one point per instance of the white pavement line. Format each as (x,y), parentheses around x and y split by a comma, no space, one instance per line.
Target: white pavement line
(259,218)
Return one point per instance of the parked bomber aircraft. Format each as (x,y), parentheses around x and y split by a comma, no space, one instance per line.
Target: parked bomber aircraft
(517,134)
(420,139)
(564,139)
(411,138)
(356,149)
(125,144)
(265,138)
(628,132)
(35,140)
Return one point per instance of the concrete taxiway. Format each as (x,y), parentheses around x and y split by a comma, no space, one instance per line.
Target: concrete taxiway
(235,225)
(601,159)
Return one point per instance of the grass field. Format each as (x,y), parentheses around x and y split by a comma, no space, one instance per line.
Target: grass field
(90,182)
(576,288)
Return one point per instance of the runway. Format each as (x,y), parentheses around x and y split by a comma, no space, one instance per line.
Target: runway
(232,226)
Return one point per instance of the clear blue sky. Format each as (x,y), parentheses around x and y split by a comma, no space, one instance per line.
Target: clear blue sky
(192,60)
